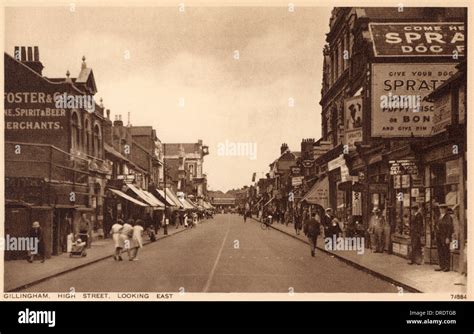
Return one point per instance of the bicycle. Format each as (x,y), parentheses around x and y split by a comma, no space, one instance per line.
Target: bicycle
(266,222)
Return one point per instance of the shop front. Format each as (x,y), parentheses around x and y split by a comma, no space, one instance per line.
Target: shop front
(445,184)
(406,190)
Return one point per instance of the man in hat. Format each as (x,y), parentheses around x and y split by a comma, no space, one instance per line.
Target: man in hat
(311,230)
(444,231)
(327,221)
(416,231)
(376,225)
(36,233)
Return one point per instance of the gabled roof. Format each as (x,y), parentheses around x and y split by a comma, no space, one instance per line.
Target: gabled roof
(296,155)
(86,77)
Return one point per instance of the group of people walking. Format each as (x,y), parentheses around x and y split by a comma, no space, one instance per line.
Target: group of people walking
(128,237)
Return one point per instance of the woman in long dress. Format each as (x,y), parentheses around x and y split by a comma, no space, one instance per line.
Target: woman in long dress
(137,240)
(115,231)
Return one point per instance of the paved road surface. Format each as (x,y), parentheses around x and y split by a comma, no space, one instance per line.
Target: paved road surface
(222,255)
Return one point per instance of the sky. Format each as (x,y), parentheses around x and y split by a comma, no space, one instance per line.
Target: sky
(226,75)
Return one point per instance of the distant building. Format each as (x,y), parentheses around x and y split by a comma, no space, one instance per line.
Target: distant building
(184,167)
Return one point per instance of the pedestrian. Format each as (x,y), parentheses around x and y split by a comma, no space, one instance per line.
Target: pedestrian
(297,221)
(327,221)
(115,232)
(84,229)
(137,239)
(333,229)
(246,211)
(36,233)
(444,230)
(286,217)
(181,216)
(186,220)
(311,230)
(387,234)
(125,236)
(194,219)
(416,231)
(376,230)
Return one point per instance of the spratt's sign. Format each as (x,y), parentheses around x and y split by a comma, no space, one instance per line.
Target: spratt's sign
(418,39)
(403,80)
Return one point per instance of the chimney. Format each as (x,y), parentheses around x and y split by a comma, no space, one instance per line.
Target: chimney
(283,148)
(108,113)
(118,120)
(30,57)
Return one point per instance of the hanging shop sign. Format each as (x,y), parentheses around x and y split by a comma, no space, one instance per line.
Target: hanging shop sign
(397,98)
(345,174)
(356,203)
(295,170)
(297,181)
(308,163)
(352,121)
(415,39)
(399,167)
(336,163)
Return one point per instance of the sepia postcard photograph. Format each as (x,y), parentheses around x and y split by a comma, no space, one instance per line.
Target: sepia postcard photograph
(277,150)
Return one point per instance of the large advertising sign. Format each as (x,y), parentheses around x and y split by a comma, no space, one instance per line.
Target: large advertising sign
(397,98)
(352,121)
(437,39)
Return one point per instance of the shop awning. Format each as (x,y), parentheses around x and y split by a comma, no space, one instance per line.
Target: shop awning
(146,196)
(319,193)
(129,198)
(207,205)
(196,205)
(166,198)
(186,204)
(172,196)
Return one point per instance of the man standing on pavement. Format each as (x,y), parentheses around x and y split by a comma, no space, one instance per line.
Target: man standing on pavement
(327,221)
(444,231)
(36,234)
(376,225)
(311,230)
(84,229)
(416,231)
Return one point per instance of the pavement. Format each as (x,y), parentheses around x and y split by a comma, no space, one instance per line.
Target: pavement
(223,255)
(19,274)
(415,278)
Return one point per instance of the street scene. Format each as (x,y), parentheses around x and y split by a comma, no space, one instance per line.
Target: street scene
(286,149)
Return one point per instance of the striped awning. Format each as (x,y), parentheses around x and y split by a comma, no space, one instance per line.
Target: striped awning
(128,198)
(146,196)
